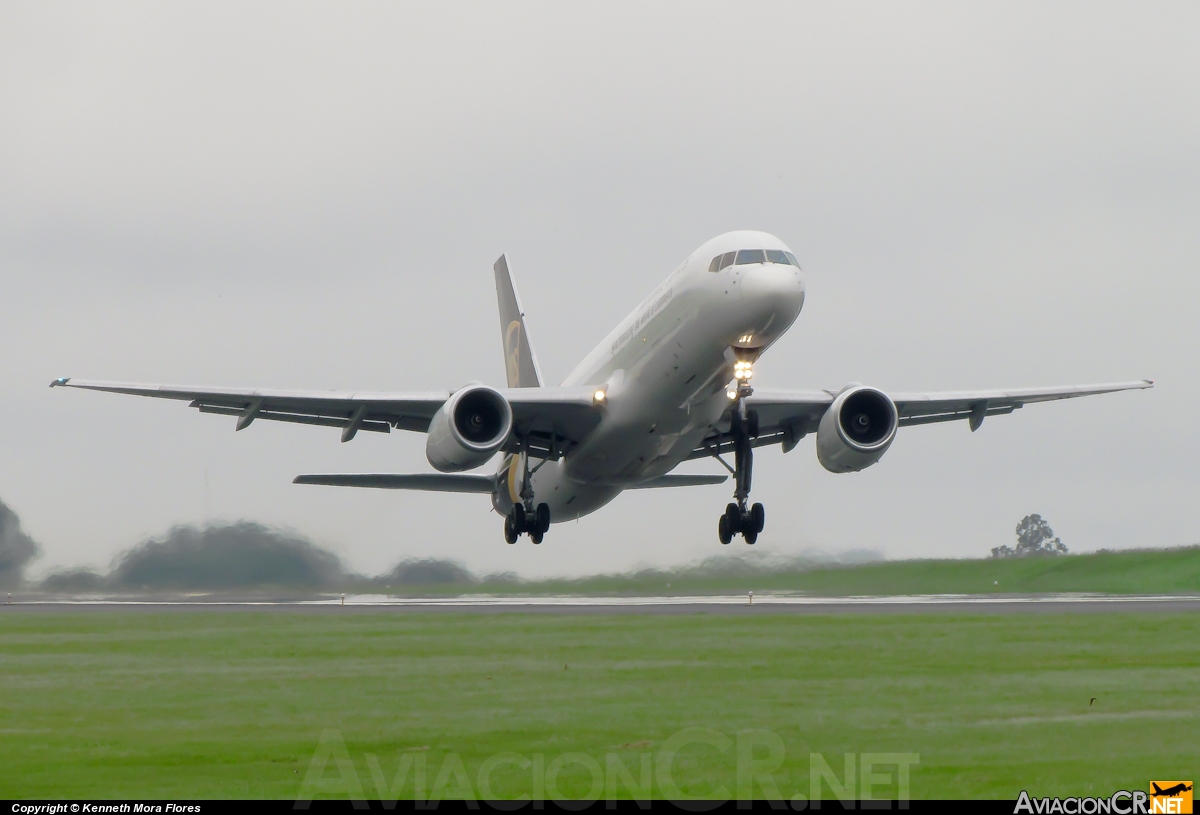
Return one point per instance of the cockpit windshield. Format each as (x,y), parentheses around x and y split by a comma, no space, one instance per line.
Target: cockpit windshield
(745,257)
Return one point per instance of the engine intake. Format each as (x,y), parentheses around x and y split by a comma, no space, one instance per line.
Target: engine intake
(857,430)
(468,429)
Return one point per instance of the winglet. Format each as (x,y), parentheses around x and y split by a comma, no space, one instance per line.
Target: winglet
(62,380)
(520,364)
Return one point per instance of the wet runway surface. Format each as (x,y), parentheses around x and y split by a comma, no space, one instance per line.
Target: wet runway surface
(719,604)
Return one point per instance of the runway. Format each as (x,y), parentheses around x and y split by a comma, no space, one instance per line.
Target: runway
(701,604)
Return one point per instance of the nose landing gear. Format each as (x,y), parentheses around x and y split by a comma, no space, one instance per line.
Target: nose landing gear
(739,518)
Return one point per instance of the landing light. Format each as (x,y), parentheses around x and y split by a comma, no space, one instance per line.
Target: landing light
(743,370)
(732,394)
(598,397)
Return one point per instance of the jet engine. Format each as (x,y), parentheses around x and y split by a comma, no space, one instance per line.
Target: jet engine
(856,430)
(468,429)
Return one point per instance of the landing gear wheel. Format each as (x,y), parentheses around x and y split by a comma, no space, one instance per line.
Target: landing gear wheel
(749,536)
(535,535)
(733,519)
(518,516)
(758,518)
(724,533)
(543,518)
(510,533)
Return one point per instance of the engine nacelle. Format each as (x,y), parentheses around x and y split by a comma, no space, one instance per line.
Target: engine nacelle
(857,430)
(468,429)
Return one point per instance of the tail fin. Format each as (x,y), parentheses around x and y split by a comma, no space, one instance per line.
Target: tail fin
(519,362)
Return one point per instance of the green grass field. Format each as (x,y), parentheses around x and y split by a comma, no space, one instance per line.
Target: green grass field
(1146,571)
(215,704)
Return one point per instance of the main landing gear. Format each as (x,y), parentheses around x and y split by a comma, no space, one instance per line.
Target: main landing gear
(520,520)
(524,516)
(739,518)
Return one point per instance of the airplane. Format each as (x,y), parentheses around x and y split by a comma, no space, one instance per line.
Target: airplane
(1169,792)
(669,384)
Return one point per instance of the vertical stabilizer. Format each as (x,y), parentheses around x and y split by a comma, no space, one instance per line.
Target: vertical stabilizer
(519,362)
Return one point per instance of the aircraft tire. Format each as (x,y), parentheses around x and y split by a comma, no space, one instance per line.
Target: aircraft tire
(518,516)
(510,532)
(535,535)
(543,518)
(723,531)
(758,518)
(735,518)
(750,535)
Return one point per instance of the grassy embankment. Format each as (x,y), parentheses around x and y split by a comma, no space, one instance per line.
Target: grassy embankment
(1162,571)
(181,705)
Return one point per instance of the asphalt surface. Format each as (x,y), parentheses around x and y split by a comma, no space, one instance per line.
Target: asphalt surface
(729,604)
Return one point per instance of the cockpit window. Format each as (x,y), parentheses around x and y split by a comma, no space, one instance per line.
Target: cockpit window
(715,265)
(792,258)
(727,259)
(746,256)
(775,256)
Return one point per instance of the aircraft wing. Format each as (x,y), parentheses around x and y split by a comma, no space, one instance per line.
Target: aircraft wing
(924,408)
(553,419)
(428,482)
(785,417)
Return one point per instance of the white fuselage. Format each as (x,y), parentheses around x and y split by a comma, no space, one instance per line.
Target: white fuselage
(665,371)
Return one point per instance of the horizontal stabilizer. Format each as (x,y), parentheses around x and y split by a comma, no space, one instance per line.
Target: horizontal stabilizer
(429,482)
(681,480)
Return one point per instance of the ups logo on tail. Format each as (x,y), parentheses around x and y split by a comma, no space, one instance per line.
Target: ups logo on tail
(512,352)
(1171,797)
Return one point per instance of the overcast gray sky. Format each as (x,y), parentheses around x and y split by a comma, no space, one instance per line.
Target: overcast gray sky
(311,196)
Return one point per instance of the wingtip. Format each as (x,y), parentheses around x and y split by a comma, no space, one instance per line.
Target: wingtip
(1149,383)
(62,380)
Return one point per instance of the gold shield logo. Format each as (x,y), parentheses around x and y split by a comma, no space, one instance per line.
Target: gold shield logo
(512,353)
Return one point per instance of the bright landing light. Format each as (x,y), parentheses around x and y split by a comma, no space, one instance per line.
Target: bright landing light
(743,370)
(599,396)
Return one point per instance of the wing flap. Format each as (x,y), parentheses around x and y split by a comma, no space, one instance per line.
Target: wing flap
(680,480)
(296,418)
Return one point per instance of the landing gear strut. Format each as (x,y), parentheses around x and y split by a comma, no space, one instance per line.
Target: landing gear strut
(524,515)
(740,518)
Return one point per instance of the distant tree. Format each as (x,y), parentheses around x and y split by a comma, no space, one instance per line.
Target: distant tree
(16,548)
(67,581)
(226,557)
(1034,537)
(427,572)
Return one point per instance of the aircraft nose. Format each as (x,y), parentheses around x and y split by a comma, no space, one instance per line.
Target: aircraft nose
(775,285)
